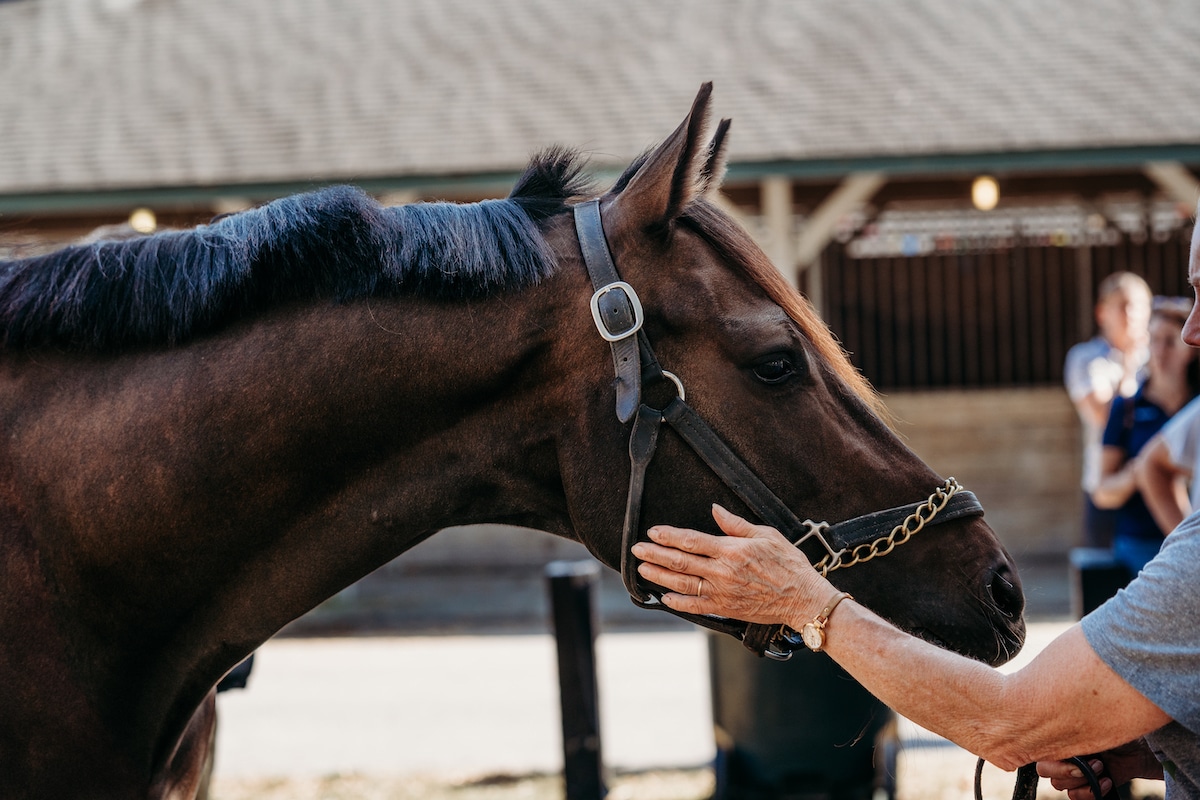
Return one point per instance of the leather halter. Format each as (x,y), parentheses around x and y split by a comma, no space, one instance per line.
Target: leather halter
(618,314)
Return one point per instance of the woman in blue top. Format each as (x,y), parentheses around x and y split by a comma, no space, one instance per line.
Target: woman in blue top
(1173,379)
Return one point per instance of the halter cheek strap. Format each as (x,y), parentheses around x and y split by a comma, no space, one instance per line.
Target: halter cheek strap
(616,309)
(618,314)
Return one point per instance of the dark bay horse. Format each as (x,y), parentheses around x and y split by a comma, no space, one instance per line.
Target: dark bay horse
(205,433)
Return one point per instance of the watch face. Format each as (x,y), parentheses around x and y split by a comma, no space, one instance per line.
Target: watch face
(813,636)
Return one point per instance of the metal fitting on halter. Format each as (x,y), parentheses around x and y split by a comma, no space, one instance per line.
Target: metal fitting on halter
(617,311)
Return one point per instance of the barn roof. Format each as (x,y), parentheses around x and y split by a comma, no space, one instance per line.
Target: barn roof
(115,95)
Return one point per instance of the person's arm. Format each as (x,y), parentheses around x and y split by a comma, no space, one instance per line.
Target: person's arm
(1093,408)
(1118,480)
(1047,710)
(1163,484)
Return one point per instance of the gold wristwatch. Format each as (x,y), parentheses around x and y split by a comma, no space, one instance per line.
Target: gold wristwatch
(813,633)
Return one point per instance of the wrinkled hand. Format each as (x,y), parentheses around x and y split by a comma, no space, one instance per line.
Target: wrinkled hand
(753,574)
(1117,766)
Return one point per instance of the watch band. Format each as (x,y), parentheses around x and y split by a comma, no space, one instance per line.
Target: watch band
(827,611)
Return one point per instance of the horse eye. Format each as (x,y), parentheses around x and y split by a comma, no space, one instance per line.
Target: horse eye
(774,370)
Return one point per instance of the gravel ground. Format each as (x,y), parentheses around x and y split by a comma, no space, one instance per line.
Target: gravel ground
(922,775)
(695,784)
(424,718)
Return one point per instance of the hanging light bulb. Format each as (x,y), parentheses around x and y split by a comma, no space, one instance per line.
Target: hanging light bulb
(985,192)
(143,220)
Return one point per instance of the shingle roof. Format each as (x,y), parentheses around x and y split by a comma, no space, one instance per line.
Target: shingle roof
(104,94)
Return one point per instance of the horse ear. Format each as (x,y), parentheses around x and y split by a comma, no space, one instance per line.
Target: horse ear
(674,174)
(713,173)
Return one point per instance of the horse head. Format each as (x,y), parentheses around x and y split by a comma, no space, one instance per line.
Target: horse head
(722,334)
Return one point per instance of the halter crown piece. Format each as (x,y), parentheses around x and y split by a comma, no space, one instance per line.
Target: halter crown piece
(618,315)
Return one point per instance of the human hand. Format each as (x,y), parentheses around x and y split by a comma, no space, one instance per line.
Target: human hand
(1122,764)
(753,574)
(1065,776)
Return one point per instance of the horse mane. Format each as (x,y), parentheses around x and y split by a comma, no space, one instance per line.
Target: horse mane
(736,246)
(335,243)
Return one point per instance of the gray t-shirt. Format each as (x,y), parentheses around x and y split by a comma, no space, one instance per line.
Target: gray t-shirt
(1150,635)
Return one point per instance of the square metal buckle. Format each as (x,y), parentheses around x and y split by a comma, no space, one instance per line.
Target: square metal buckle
(634,302)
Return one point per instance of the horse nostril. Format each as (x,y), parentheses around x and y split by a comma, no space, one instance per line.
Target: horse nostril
(1006,594)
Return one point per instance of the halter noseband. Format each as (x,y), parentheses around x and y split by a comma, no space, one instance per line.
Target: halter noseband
(618,314)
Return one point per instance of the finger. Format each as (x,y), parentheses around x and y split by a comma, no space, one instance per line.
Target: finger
(685,539)
(733,525)
(1085,792)
(688,604)
(679,582)
(671,559)
(1061,770)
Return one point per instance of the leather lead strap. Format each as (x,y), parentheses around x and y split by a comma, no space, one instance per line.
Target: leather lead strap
(615,306)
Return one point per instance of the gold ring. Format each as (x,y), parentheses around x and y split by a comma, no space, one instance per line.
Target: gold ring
(700,587)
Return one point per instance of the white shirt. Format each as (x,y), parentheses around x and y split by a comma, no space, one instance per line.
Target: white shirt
(1095,366)
(1182,437)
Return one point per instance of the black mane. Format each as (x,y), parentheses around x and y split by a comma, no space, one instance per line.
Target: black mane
(335,243)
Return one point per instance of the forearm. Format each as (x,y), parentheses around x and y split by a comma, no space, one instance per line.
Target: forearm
(1115,488)
(935,688)
(1012,719)
(1093,408)
(1163,491)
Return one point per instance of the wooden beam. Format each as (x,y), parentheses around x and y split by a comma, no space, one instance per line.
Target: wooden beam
(856,189)
(1176,181)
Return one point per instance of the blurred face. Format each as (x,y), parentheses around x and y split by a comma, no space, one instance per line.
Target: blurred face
(1191,328)
(1124,317)
(1169,354)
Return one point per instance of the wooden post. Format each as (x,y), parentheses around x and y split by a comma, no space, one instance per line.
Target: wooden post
(571,589)
(1085,293)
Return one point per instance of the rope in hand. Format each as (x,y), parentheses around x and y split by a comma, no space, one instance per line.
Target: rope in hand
(1027,780)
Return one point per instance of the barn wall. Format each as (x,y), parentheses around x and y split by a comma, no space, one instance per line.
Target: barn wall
(1017,449)
(982,319)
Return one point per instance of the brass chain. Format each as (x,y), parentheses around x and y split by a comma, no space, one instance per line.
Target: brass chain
(921,516)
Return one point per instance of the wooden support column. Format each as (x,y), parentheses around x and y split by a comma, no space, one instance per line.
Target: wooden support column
(775,192)
(1085,293)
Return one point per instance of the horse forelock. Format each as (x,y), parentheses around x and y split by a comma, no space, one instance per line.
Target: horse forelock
(334,243)
(736,246)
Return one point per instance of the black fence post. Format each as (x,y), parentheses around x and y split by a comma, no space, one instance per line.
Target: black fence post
(571,589)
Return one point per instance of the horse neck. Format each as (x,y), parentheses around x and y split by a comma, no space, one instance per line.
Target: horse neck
(226,487)
(294,455)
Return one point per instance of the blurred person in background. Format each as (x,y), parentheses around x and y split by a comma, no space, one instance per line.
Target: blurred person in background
(1172,381)
(1168,472)
(1104,367)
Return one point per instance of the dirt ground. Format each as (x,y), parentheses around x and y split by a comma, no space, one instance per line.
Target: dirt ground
(695,784)
(931,775)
